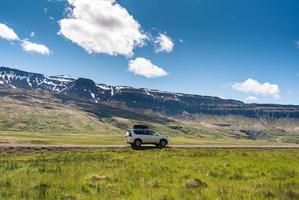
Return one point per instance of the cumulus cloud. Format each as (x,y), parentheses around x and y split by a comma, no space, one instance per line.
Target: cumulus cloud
(7,33)
(163,43)
(252,86)
(102,26)
(144,67)
(35,48)
(251,98)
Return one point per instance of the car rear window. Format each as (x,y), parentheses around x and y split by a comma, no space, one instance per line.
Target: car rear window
(140,132)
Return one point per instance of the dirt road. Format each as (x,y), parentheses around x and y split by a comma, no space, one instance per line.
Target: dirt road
(63,147)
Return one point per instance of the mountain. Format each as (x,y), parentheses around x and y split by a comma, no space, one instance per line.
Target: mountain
(13,78)
(140,99)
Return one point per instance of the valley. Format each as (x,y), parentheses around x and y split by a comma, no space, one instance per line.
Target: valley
(40,117)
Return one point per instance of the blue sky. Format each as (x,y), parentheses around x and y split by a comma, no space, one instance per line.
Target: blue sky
(235,49)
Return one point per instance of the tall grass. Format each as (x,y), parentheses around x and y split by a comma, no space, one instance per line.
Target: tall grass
(151,174)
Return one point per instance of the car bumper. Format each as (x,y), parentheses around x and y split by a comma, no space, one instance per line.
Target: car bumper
(129,140)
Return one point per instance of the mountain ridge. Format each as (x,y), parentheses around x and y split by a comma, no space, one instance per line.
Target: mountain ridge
(101,85)
(169,103)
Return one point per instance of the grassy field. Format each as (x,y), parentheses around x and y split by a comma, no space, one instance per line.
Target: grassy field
(151,174)
(97,139)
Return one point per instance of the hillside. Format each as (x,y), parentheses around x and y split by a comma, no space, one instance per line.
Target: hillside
(40,116)
(140,99)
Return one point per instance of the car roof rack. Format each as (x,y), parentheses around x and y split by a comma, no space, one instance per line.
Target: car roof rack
(140,127)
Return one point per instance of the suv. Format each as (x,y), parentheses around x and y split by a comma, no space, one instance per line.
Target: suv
(141,134)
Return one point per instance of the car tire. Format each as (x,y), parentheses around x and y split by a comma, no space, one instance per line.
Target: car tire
(137,143)
(163,143)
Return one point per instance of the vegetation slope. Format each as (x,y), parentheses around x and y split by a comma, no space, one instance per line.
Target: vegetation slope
(37,116)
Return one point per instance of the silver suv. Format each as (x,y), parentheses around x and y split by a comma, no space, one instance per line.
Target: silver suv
(141,134)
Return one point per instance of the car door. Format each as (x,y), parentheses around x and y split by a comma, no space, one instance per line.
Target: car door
(142,134)
(152,137)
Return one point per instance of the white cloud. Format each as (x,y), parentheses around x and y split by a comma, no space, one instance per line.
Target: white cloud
(52,18)
(102,26)
(7,33)
(254,87)
(45,11)
(222,96)
(144,67)
(163,43)
(251,98)
(297,43)
(35,48)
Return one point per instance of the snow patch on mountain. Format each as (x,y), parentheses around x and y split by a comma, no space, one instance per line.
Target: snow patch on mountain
(94,97)
(62,78)
(104,87)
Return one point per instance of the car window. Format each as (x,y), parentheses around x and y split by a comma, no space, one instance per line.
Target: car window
(140,132)
(151,133)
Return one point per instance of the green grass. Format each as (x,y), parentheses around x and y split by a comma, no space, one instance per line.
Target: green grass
(94,139)
(151,174)
(49,138)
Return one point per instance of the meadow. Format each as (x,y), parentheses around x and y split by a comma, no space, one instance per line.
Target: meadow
(150,174)
(115,139)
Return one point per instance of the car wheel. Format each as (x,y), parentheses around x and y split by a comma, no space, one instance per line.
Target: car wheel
(137,143)
(163,143)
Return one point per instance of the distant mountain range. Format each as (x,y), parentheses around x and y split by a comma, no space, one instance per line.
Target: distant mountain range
(167,103)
